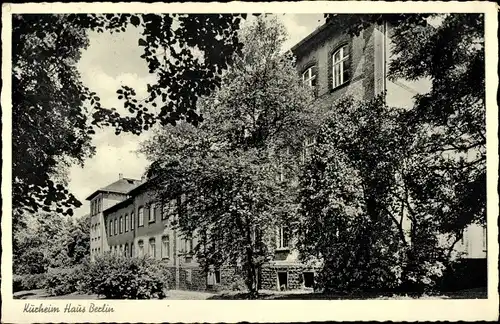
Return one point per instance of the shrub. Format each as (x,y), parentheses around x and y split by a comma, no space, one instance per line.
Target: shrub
(28,282)
(63,281)
(119,277)
(238,284)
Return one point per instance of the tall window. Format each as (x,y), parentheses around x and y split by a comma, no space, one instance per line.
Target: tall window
(152,247)
(309,77)
(110,227)
(132,220)
(152,210)
(125,251)
(340,60)
(132,249)
(126,223)
(165,247)
(141,216)
(98,205)
(308,144)
(115,225)
(282,237)
(140,246)
(188,243)
(121,224)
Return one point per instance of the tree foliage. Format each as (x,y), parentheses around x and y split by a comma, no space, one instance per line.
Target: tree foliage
(402,183)
(54,114)
(50,240)
(227,167)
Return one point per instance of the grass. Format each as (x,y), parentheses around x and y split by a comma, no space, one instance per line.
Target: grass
(478,293)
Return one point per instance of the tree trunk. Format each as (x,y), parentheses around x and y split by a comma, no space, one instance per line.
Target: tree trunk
(251,274)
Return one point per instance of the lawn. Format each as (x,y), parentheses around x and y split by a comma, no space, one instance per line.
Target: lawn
(172,295)
(478,293)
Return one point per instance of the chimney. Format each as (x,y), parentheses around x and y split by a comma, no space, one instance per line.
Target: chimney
(120,176)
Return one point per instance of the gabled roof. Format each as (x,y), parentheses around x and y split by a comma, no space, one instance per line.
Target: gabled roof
(122,186)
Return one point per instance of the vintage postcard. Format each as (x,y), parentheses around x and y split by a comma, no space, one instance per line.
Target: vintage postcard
(258,162)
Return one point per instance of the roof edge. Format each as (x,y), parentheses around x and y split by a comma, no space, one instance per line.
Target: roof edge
(309,37)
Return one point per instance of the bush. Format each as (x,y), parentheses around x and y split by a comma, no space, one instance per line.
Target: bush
(119,277)
(63,281)
(28,282)
(238,284)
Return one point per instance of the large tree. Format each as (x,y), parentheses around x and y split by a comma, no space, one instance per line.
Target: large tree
(54,114)
(425,165)
(229,167)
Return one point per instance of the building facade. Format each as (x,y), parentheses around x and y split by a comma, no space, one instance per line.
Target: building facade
(127,220)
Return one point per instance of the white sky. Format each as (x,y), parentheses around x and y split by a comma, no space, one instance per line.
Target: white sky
(113,60)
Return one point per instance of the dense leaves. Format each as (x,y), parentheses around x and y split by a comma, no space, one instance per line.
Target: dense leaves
(227,170)
(54,114)
(119,277)
(64,281)
(49,240)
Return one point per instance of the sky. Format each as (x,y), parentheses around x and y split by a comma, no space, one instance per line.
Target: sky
(113,60)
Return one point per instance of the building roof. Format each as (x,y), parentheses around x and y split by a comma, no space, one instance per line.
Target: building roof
(122,186)
(118,205)
(309,37)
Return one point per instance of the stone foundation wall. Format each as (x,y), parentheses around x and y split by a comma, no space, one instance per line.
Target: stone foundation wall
(192,278)
(294,273)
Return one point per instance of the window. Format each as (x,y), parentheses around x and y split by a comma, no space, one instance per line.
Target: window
(282,281)
(126,252)
(152,248)
(121,224)
(98,205)
(309,77)
(165,247)
(308,144)
(126,223)
(115,225)
(132,249)
(308,279)
(282,237)
(188,243)
(217,276)
(110,227)
(132,221)
(140,246)
(152,209)
(189,276)
(340,60)
(141,216)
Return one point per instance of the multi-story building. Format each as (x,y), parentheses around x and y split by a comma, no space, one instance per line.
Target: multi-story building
(126,219)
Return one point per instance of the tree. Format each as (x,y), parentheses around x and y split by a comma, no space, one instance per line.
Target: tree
(449,50)
(228,168)
(50,240)
(377,167)
(186,52)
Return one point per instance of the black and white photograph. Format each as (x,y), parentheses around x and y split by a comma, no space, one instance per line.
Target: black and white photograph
(170,154)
